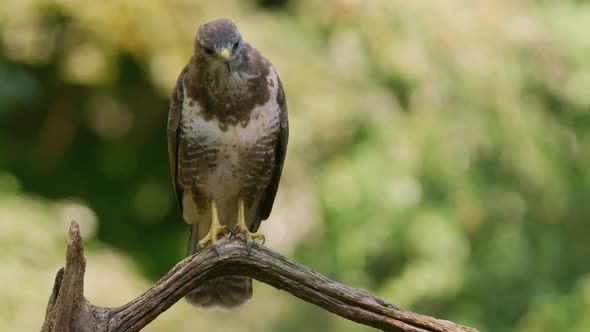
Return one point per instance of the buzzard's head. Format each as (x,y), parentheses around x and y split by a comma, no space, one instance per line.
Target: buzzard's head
(219,44)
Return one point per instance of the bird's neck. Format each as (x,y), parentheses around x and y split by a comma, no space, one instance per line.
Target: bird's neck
(227,95)
(229,84)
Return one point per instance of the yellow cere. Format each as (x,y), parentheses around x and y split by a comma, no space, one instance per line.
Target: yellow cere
(224,53)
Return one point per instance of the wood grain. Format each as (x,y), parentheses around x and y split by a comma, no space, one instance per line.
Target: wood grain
(68,310)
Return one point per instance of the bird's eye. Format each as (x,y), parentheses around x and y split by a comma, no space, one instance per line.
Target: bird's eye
(236,45)
(208,50)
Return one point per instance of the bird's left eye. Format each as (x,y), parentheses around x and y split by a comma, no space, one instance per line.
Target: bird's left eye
(236,45)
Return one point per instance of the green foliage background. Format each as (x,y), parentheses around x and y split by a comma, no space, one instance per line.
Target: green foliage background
(439,155)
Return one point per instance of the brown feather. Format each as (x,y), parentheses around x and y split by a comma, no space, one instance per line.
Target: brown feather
(280,153)
(174,115)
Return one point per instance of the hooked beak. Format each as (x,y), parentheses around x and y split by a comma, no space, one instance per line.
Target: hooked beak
(225,55)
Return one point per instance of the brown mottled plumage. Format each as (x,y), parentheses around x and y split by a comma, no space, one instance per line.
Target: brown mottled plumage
(227,139)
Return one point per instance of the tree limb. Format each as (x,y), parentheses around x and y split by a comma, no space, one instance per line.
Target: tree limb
(68,310)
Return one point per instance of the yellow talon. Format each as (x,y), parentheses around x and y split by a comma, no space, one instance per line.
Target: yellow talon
(214,231)
(243,229)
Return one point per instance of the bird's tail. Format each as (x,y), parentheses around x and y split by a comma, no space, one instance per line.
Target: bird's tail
(223,293)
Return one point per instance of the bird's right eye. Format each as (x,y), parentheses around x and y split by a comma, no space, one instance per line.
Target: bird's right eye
(208,50)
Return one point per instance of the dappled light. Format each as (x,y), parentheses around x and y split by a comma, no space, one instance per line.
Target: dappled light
(439,155)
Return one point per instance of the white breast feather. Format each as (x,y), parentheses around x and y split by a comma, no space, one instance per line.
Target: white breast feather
(221,184)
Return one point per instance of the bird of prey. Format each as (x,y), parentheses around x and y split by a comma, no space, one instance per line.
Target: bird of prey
(227,139)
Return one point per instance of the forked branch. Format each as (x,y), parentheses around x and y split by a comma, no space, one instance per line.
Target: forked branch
(68,310)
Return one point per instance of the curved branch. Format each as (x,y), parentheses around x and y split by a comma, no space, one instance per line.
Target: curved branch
(68,310)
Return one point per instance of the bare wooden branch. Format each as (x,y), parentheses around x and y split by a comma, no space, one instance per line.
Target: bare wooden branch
(68,310)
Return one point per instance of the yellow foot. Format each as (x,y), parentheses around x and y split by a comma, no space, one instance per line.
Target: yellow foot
(241,228)
(216,229)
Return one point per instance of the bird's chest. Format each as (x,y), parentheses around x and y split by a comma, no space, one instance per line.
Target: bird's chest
(220,155)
